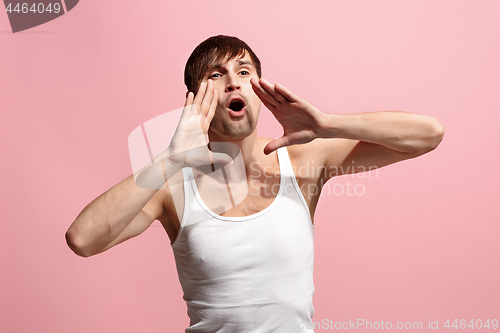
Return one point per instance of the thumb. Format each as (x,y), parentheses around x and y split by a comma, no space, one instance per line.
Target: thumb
(277,143)
(221,158)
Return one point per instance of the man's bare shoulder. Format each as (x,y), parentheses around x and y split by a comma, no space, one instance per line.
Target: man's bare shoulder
(321,151)
(311,154)
(308,151)
(315,150)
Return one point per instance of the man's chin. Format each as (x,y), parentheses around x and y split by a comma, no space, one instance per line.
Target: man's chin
(233,128)
(231,132)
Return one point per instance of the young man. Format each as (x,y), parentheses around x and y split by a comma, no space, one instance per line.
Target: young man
(247,267)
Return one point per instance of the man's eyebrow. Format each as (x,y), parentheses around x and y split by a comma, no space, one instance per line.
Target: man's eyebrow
(215,66)
(245,63)
(239,61)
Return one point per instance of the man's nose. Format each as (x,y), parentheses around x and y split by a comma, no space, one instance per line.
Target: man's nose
(232,83)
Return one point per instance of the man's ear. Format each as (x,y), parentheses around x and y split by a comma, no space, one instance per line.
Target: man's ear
(187,93)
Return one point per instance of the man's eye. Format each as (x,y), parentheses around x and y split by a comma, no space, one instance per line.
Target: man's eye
(244,72)
(215,75)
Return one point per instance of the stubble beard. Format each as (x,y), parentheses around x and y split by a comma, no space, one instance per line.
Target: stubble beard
(234,129)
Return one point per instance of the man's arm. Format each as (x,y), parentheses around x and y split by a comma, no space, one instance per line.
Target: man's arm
(362,140)
(129,208)
(122,212)
(375,139)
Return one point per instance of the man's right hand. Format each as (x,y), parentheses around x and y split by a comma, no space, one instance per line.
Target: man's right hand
(188,147)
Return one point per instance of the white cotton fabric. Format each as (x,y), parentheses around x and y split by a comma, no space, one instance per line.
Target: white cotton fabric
(252,273)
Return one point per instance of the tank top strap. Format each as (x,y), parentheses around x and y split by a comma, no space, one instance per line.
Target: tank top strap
(187,177)
(285,163)
(291,185)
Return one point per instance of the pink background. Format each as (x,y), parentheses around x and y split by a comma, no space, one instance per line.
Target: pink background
(420,244)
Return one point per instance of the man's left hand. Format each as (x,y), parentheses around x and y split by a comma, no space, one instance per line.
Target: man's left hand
(301,121)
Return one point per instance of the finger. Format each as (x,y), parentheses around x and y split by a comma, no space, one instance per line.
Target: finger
(189,98)
(275,144)
(187,111)
(268,105)
(271,90)
(257,87)
(207,99)
(290,97)
(199,96)
(213,105)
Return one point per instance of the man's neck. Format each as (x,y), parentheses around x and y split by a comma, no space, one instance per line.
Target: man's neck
(252,147)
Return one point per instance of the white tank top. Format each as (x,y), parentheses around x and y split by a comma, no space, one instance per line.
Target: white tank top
(251,273)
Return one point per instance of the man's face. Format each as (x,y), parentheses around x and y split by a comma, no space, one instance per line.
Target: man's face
(238,106)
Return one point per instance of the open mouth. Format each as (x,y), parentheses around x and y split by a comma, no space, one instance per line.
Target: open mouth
(236,104)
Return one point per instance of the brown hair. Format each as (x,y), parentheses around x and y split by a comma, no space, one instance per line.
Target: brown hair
(212,51)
